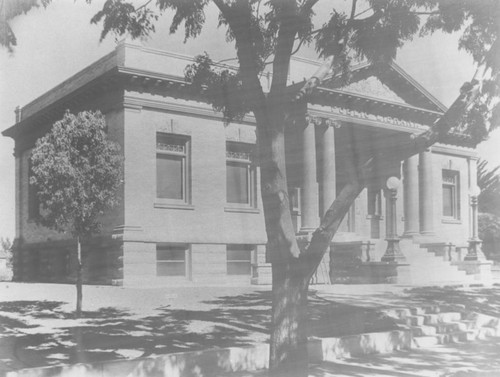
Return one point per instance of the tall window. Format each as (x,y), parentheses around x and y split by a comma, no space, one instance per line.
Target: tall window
(374,210)
(172,167)
(451,194)
(240,175)
(374,202)
(239,259)
(33,201)
(171,260)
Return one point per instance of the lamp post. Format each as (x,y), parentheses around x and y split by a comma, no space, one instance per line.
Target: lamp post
(474,252)
(393,252)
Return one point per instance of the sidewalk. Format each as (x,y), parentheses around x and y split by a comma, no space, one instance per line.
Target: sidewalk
(479,359)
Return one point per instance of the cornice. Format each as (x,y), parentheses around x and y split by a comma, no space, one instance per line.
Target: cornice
(417,86)
(151,75)
(454,151)
(185,109)
(175,55)
(380,122)
(382,102)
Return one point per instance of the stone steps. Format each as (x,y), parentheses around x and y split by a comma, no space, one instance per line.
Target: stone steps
(433,325)
(427,267)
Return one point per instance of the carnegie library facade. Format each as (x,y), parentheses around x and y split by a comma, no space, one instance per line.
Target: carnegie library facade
(191,209)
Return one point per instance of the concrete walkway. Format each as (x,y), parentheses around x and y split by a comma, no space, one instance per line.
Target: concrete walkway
(479,359)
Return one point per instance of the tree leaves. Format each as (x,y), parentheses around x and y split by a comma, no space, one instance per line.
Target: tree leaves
(77,173)
(10,9)
(221,87)
(122,17)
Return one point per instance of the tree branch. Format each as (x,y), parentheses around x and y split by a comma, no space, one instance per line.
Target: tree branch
(143,5)
(238,18)
(284,46)
(353,9)
(308,5)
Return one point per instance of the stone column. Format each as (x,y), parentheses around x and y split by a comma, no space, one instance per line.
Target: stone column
(426,194)
(474,252)
(472,165)
(310,195)
(393,251)
(410,183)
(328,180)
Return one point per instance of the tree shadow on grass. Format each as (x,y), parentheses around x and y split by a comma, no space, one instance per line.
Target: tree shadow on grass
(481,300)
(462,359)
(44,334)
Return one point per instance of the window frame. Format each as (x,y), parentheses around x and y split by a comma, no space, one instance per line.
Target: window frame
(186,261)
(241,154)
(374,203)
(453,182)
(250,261)
(172,150)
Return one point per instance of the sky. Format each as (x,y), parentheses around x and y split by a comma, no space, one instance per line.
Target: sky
(59,41)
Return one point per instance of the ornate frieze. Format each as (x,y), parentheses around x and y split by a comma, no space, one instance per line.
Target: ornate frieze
(177,148)
(378,118)
(238,155)
(323,121)
(372,86)
(356,114)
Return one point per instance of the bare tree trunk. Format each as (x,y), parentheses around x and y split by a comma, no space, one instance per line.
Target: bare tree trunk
(288,354)
(79,290)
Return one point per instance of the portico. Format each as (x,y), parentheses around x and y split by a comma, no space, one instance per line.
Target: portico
(341,129)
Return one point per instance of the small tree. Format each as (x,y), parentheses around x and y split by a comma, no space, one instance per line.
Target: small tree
(77,172)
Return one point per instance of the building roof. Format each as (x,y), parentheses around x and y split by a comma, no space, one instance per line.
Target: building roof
(160,71)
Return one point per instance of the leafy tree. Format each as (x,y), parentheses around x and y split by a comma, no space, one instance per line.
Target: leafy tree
(77,172)
(489,183)
(265,35)
(8,10)
(489,233)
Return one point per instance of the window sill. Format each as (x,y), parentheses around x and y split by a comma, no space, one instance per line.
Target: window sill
(170,205)
(241,209)
(451,221)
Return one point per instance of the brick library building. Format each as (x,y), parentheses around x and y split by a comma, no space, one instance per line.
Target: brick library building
(191,210)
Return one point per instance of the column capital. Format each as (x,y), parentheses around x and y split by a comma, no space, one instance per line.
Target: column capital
(323,121)
(335,123)
(313,119)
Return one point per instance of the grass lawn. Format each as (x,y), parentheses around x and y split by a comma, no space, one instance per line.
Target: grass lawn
(37,326)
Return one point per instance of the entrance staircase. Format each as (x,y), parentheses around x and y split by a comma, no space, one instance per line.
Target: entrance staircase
(429,265)
(435,325)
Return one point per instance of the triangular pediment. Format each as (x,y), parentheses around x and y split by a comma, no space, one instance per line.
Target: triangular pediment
(386,82)
(372,86)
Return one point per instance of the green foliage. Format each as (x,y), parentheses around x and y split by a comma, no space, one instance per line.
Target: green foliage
(122,17)
(489,233)
(77,172)
(488,181)
(221,87)
(10,9)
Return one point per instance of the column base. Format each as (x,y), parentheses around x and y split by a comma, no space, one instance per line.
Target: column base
(393,251)
(410,234)
(475,253)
